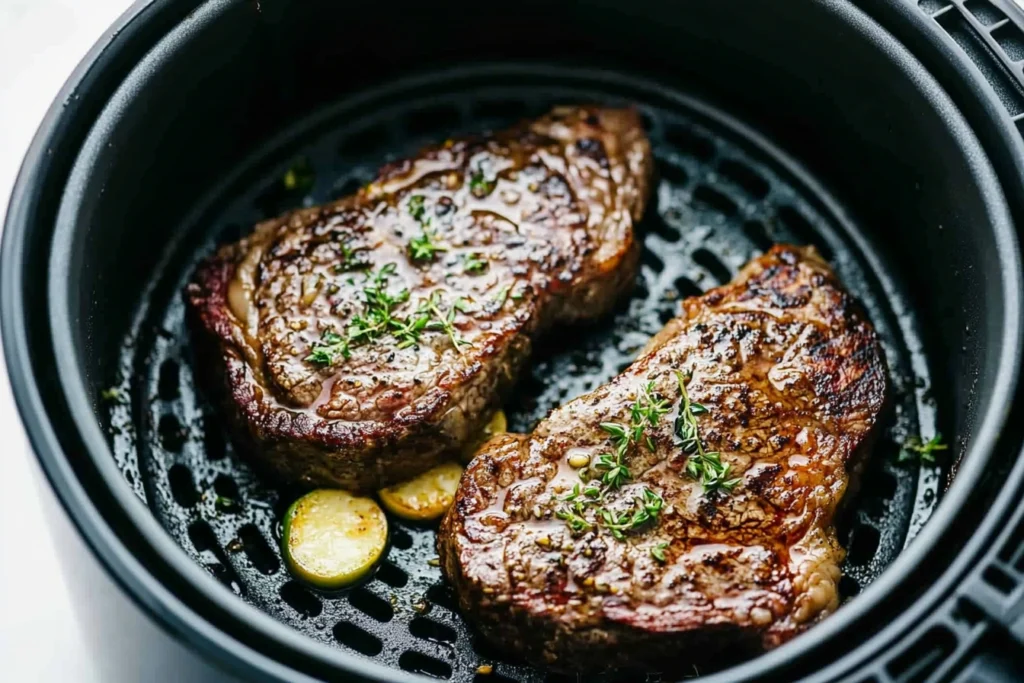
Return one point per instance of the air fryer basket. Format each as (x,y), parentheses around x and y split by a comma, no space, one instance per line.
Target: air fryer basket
(835,136)
(722,197)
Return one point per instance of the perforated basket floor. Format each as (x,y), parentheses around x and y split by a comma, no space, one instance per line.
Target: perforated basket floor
(722,196)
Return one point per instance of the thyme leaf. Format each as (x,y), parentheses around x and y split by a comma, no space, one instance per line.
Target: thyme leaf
(914,447)
(704,466)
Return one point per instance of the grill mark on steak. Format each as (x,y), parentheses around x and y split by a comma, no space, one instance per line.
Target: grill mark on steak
(550,206)
(794,379)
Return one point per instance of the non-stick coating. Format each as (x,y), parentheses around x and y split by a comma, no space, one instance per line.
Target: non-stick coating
(722,196)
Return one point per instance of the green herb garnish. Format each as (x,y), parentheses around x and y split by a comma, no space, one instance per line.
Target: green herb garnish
(914,447)
(614,473)
(644,413)
(417,208)
(658,551)
(327,349)
(224,503)
(299,176)
(112,394)
(378,315)
(479,185)
(704,466)
(472,263)
(350,260)
(443,321)
(422,247)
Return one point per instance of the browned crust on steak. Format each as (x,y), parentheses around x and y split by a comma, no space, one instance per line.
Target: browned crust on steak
(553,218)
(794,379)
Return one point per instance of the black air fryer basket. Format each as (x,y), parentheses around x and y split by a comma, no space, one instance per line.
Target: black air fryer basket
(885,132)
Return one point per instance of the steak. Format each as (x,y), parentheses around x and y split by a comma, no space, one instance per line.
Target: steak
(360,343)
(687,505)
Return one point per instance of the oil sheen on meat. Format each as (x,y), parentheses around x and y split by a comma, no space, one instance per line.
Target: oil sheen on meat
(360,343)
(793,380)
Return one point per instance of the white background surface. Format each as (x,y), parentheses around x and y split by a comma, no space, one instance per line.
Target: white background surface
(41,41)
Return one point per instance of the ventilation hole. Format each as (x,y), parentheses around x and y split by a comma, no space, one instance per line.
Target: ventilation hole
(428,629)
(228,499)
(984,12)
(437,120)
(258,550)
(707,260)
(300,599)
(652,260)
(884,485)
(503,110)
(745,177)
(674,174)
(876,494)
(371,605)
(967,612)
(666,227)
(168,385)
(848,586)
(441,595)
(685,140)
(686,287)
(965,36)
(213,439)
(933,6)
(800,228)
(863,545)
(400,538)
(366,142)
(172,434)
(1010,39)
(996,577)
(347,188)
(758,234)
(392,575)
(356,638)
(419,663)
(708,198)
(922,658)
(225,486)
(182,487)
(212,556)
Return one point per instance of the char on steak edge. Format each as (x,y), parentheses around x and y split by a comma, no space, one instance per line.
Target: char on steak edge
(360,343)
(788,379)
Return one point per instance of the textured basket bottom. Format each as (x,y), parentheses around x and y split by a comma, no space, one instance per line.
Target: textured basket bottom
(722,197)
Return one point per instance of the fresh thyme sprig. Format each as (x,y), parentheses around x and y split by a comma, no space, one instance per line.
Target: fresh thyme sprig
(378,315)
(350,259)
(614,473)
(299,176)
(327,349)
(473,264)
(444,321)
(379,318)
(417,208)
(704,466)
(658,551)
(915,447)
(423,248)
(645,412)
(479,185)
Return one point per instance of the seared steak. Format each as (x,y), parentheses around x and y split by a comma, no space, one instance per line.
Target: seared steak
(680,525)
(360,343)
